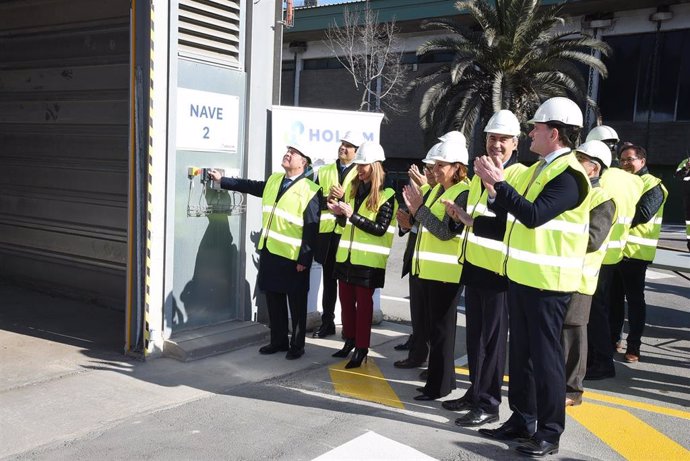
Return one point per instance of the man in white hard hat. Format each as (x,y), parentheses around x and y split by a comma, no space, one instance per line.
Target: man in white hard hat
(486,290)
(334,180)
(605,134)
(290,225)
(639,251)
(626,190)
(546,241)
(595,157)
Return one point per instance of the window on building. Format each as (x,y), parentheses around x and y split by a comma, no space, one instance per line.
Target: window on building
(322,63)
(638,81)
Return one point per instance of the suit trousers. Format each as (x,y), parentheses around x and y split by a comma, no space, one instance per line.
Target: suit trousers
(277,304)
(629,284)
(536,360)
(330,283)
(574,343)
(486,312)
(419,345)
(357,303)
(599,342)
(439,302)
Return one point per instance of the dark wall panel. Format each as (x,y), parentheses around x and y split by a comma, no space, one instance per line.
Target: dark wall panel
(64,130)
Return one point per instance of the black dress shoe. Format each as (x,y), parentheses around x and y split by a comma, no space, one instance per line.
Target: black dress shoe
(460,404)
(506,432)
(537,449)
(476,417)
(325,330)
(271,349)
(404,346)
(421,389)
(425,397)
(406,363)
(597,373)
(294,353)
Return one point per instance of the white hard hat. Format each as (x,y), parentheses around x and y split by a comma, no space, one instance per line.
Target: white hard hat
(369,152)
(503,122)
(596,150)
(558,109)
(602,133)
(302,150)
(351,137)
(428,159)
(451,151)
(452,135)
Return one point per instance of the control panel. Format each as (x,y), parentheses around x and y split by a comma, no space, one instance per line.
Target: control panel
(206,197)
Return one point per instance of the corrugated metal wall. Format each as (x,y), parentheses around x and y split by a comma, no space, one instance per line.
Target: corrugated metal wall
(64,115)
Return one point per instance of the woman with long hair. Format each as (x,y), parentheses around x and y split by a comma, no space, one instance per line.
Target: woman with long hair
(435,262)
(368,215)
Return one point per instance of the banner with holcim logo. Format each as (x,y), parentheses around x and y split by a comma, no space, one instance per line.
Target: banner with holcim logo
(318,131)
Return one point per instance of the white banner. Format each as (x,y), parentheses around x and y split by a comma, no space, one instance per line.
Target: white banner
(319,131)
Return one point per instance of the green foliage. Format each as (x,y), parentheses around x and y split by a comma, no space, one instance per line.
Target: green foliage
(514,57)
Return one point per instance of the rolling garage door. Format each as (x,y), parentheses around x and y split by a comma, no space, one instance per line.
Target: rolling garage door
(64,130)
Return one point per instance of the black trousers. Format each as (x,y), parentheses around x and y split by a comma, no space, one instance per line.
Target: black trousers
(537,372)
(439,301)
(419,345)
(599,341)
(486,312)
(629,284)
(330,283)
(277,304)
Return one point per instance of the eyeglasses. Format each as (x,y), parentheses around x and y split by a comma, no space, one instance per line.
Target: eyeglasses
(628,160)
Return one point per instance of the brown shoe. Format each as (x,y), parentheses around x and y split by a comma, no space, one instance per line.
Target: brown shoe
(632,357)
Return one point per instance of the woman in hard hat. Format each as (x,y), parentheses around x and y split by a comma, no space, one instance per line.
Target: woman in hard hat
(435,261)
(368,215)
(418,343)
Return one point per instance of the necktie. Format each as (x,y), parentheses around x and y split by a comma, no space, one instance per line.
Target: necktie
(540,166)
(285,184)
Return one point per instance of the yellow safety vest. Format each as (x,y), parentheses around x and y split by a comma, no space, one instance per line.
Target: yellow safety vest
(282,219)
(435,259)
(363,248)
(328,177)
(480,251)
(551,256)
(592,264)
(644,237)
(625,189)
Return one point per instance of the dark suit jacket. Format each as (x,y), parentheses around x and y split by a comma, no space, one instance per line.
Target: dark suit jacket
(276,273)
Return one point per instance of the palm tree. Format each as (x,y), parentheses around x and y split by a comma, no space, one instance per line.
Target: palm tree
(514,59)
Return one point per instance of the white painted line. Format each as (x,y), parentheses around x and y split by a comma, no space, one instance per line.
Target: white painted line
(461,361)
(654,275)
(372,446)
(394,298)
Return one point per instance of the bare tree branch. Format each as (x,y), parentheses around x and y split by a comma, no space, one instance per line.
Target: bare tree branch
(370,52)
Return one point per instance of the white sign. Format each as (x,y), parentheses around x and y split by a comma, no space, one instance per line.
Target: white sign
(207,121)
(318,131)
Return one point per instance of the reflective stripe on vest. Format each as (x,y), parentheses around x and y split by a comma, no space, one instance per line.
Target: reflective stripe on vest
(644,237)
(590,270)
(436,259)
(363,248)
(625,189)
(328,177)
(281,220)
(481,251)
(551,256)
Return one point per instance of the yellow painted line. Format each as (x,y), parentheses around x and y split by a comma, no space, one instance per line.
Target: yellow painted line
(466,372)
(629,436)
(638,405)
(364,383)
